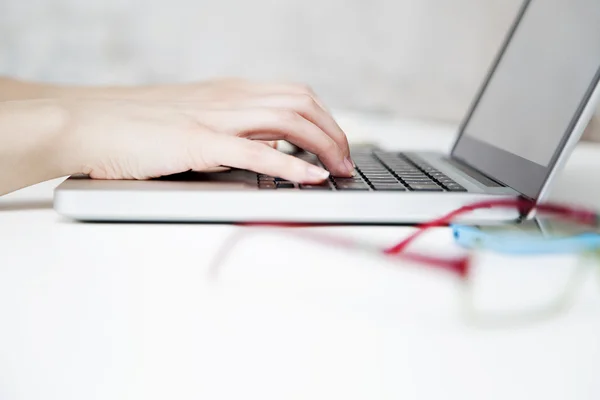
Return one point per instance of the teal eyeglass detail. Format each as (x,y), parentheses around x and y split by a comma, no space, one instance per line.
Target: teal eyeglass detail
(519,243)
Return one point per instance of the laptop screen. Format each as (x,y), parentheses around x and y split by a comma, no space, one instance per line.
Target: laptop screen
(535,94)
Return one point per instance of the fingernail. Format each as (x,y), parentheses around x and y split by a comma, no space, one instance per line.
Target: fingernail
(349,165)
(315,172)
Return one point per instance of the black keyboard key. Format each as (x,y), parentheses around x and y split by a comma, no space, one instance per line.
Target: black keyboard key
(315,187)
(375,172)
(413,176)
(376,184)
(407,173)
(396,163)
(380,176)
(425,187)
(445,179)
(382,154)
(404,169)
(352,186)
(347,180)
(266,185)
(407,170)
(418,180)
(382,172)
(389,187)
(413,184)
(383,180)
(285,185)
(455,188)
(445,182)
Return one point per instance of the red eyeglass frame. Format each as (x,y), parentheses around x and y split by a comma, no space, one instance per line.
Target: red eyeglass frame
(456,265)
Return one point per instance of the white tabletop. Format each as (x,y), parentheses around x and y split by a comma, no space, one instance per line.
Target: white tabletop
(129,311)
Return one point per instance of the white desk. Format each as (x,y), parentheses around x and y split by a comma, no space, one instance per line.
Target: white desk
(125,311)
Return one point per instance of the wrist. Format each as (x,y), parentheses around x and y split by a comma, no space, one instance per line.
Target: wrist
(32,137)
(69,93)
(18,90)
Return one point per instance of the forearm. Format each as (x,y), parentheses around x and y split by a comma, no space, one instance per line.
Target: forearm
(15,89)
(31,137)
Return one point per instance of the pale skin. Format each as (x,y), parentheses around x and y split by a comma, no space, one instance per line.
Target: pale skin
(50,131)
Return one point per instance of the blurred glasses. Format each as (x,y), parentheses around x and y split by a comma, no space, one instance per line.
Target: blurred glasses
(499,289)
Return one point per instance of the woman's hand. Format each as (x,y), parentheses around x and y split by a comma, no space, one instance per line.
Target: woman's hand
(223,90)
(115,139)
(140,133)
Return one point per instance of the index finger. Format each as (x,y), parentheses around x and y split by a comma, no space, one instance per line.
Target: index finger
(242,153)
(308,108)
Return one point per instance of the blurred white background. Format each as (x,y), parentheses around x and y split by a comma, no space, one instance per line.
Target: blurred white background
(416,58)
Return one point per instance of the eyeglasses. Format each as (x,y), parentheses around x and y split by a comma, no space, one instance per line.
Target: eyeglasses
(514,296)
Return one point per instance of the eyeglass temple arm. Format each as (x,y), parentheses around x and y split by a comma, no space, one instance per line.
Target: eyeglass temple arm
(524,207)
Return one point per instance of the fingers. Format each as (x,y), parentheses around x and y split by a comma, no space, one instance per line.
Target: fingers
(308,108)
(246,88)
(215,169)
(271,124)
(287,89)
(232,151)
(271,143)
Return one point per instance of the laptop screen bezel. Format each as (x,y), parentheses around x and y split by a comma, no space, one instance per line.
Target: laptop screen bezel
(518,173)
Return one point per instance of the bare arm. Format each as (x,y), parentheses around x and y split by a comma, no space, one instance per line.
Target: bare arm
(30,138)
(13,89)
(16,89)
(48,131)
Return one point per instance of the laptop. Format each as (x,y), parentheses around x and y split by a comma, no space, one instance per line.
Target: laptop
(528,114)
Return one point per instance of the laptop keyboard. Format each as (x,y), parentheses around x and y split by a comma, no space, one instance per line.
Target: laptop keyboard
(380,171)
